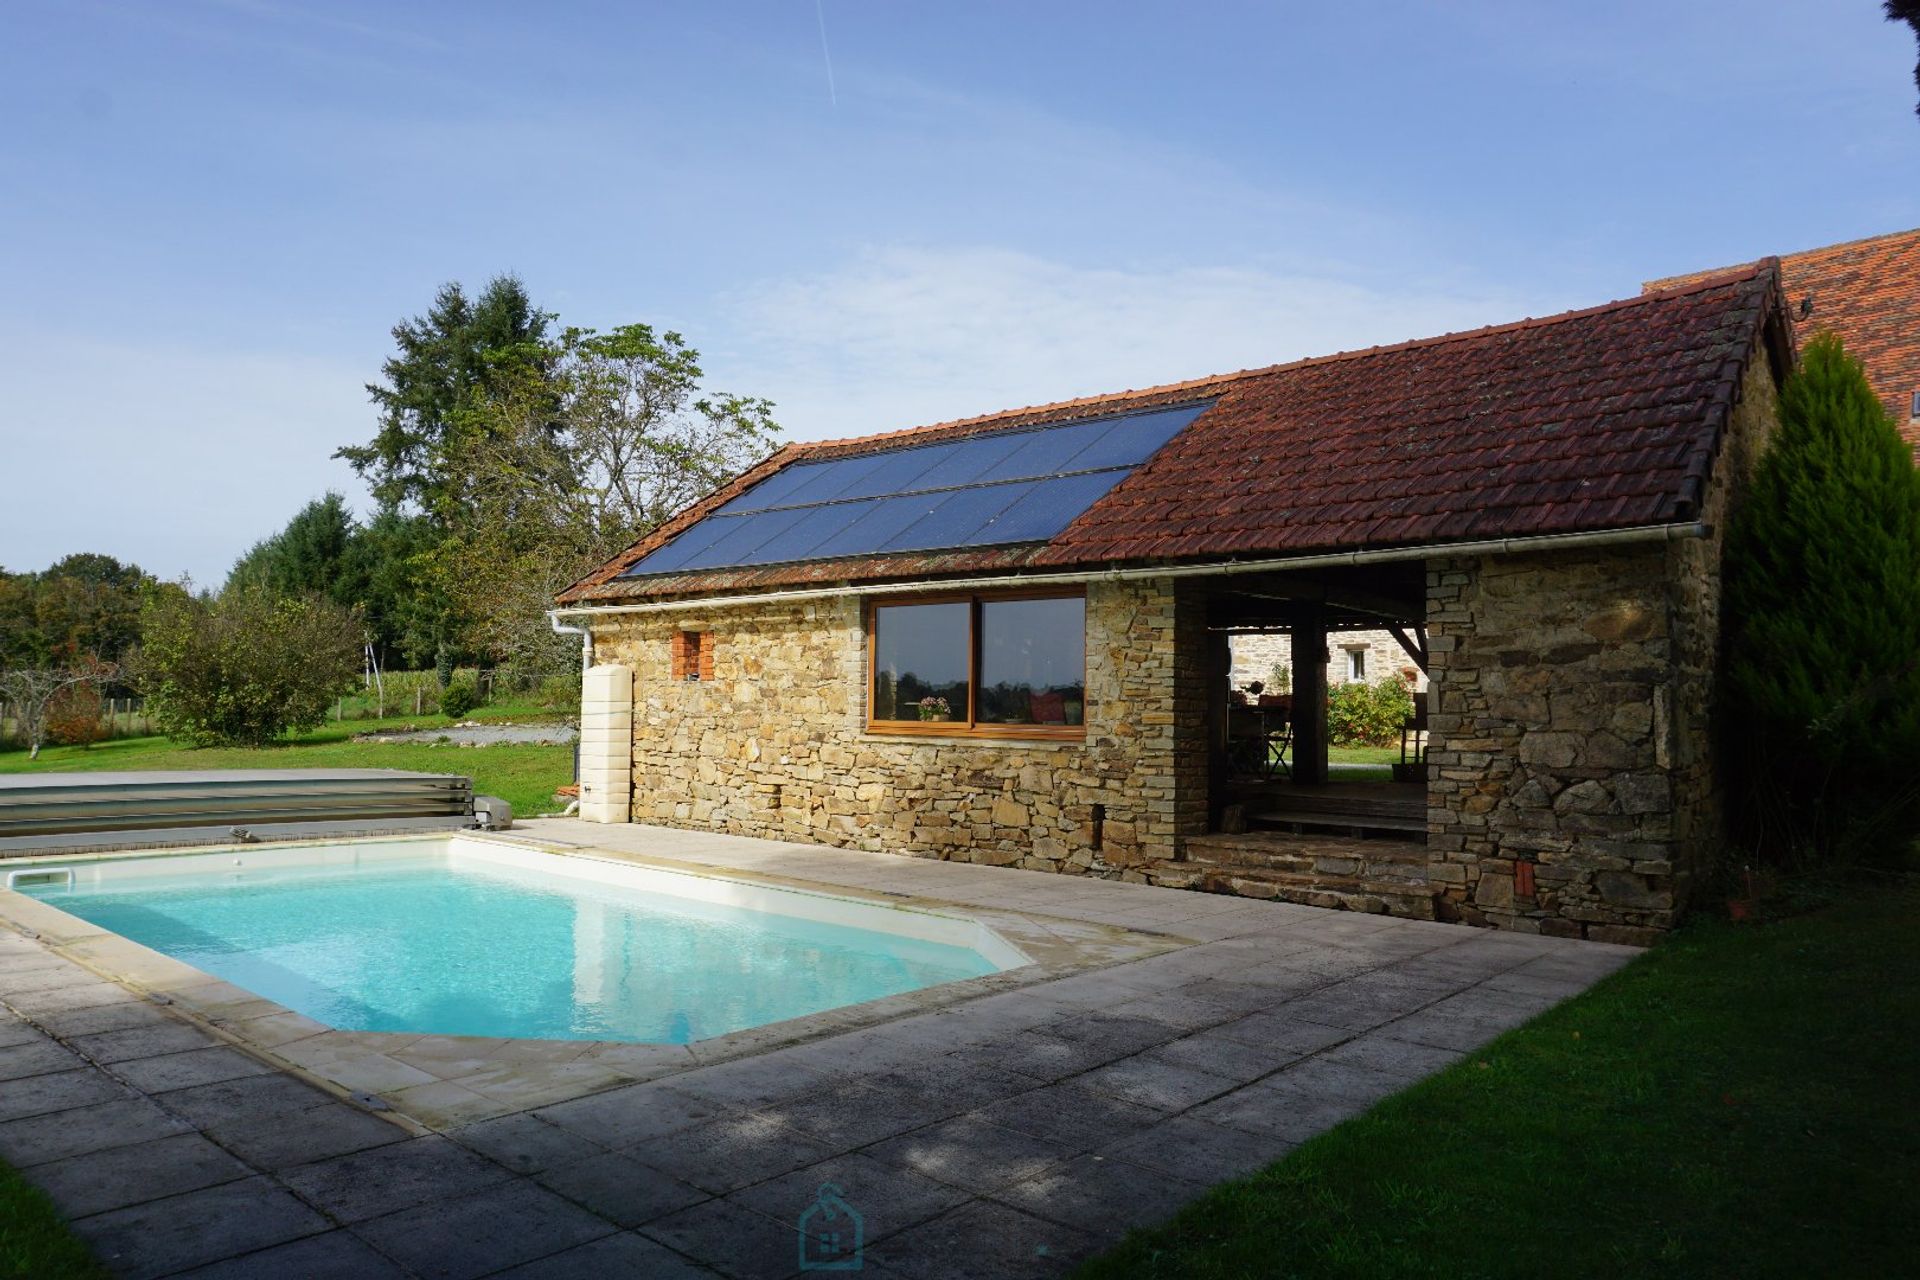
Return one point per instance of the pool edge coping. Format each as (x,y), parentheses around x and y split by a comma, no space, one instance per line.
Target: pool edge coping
(429,1083)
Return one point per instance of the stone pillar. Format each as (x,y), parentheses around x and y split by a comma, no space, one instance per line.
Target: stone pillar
(606,744)
(1199,677)
(1550,789)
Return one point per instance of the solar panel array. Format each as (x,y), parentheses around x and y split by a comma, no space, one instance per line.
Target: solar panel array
(985,490)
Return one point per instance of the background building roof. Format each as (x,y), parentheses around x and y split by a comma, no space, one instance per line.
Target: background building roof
(1867,291)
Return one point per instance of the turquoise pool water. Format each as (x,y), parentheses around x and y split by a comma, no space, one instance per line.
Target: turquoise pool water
(436,946)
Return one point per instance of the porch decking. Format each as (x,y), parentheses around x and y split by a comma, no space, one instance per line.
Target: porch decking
(1351,808)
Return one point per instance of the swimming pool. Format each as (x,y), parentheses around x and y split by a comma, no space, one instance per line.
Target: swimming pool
(467,936)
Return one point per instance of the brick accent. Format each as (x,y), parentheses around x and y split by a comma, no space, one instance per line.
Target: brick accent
(691,655)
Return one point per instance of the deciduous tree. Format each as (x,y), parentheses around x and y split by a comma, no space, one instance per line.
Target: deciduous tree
(558,471)
(1907,11)
(245,667)
(31,694)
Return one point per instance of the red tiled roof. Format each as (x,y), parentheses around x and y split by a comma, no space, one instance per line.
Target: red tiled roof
(1868,291)
(1597,419)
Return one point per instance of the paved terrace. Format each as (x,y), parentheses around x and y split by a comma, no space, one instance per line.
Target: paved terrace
(1010,1135)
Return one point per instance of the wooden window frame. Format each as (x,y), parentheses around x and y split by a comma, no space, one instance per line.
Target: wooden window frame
(970,728)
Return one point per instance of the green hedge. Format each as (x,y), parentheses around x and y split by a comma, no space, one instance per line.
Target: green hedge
(1368,715)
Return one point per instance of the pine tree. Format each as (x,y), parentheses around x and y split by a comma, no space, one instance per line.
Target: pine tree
(1821,688)
(443,358)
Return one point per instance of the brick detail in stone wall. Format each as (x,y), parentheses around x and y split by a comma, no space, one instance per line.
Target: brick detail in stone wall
(691,655)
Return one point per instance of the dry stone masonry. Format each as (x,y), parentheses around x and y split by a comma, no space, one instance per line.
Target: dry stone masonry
(775,744)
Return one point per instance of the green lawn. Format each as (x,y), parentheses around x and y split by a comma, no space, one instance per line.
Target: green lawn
(34,1242)
(1364,755)
(523,776)
(1738,1102)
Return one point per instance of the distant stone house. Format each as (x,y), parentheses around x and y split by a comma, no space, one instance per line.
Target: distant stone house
(1008,639)
(1868,292)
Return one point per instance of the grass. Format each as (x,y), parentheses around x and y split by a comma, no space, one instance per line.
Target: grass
(523,775)
(1364,755)
(1738,1102)
(34,1242)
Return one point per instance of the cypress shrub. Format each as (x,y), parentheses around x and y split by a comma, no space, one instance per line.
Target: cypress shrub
(1821,680)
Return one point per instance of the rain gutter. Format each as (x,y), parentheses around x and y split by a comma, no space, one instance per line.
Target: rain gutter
(1218,568)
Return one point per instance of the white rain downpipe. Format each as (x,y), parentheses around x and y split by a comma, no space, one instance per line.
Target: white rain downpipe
(586,638)
(586,663)
(1338,559)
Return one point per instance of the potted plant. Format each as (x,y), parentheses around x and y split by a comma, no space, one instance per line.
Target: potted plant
(934,708)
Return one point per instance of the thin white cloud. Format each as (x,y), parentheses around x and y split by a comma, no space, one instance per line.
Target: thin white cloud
(906,335)
(173,458)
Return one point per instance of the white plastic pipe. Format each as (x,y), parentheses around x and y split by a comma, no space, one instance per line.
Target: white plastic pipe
(586,638)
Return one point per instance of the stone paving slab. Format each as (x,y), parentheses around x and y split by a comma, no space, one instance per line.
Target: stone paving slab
(1010,1134)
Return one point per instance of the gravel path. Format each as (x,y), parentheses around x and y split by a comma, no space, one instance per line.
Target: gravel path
(482,735)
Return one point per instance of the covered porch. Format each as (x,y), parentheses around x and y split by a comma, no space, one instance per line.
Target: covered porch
(1269,751)
(1285,816)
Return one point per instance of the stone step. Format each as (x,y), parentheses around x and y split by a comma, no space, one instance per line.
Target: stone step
(1411,901)
(1284,852)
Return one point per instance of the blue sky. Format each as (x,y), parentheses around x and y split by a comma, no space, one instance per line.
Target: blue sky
(214,210)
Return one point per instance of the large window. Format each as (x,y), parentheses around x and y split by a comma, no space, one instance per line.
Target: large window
(1004,666)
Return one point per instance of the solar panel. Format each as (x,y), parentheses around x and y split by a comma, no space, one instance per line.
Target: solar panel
(999,488)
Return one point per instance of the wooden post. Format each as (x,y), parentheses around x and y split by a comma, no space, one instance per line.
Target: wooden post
(1309,693)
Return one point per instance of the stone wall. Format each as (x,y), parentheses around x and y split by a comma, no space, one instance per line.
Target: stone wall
(1551,696)
(1572,787)
(1695,581)
(775,744)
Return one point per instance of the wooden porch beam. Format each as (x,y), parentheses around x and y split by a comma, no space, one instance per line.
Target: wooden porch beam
(1415,644)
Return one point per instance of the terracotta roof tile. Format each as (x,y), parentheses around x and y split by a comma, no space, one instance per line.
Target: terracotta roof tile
(1595,419)
(1867,291)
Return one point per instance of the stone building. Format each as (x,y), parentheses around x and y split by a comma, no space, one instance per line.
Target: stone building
(1355,657)
(1009,639)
